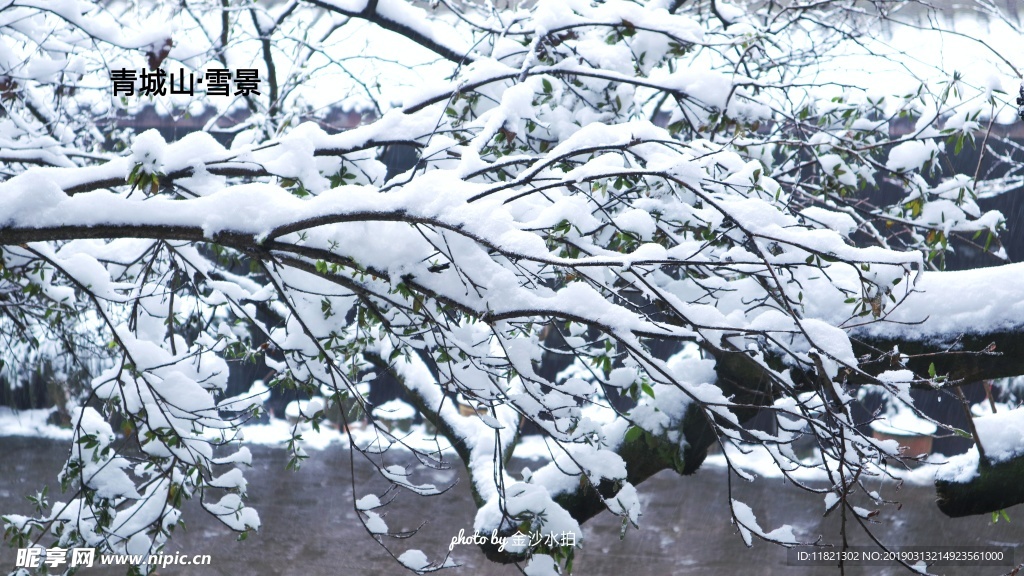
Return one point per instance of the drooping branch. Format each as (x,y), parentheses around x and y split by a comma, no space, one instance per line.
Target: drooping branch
(391,17)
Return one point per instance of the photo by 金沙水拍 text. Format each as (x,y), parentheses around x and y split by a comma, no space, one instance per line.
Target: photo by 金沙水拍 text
(218,82)
(515,542)
(76,558)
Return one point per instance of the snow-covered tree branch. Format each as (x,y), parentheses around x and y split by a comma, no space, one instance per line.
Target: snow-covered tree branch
(697,210)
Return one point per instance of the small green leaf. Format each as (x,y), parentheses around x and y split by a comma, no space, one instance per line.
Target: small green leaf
(963,433)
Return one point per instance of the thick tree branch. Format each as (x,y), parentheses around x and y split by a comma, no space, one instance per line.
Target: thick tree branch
(644,456)
(961,358)
(997,486)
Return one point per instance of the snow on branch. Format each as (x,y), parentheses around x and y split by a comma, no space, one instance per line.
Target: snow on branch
(625,229)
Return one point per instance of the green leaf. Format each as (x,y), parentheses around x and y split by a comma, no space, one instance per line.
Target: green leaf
(633,434)
(963,433)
